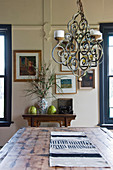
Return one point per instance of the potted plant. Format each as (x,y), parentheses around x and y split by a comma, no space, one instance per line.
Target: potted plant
(41,86)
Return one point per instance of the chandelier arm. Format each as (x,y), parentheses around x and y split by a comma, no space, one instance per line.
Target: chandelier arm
(101,49)
(53,54)
(100,62)
(75,74)
(72,67)
(101,58)
(99,54)
(60,54)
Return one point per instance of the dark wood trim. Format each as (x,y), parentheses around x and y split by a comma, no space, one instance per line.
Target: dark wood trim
(7,32)
(62,119)
(106,29)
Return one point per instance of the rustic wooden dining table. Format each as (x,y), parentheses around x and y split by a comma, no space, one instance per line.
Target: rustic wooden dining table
(28,149)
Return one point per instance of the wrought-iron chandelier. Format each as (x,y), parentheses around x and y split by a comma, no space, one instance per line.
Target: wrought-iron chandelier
(80,48)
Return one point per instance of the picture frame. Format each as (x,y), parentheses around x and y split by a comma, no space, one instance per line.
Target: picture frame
(66,84)
(65,68)
(88,81)
(24,63)
(93,62)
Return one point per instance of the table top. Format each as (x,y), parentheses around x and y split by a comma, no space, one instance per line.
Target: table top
(28,149)
(47,115)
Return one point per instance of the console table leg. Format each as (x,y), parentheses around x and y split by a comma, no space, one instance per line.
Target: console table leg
(38,123)
(66,122)
(60,123)
(32,122)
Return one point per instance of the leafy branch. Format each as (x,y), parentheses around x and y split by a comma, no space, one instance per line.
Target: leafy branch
(44,81)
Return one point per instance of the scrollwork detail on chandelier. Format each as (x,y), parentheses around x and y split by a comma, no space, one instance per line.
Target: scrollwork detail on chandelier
(79,49)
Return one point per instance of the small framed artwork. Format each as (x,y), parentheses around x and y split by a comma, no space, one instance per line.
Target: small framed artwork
(65,68)
(93,63)
(25,64)
(88,81)
(66,84)
(83,59)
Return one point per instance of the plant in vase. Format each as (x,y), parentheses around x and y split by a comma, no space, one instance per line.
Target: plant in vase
(41,86)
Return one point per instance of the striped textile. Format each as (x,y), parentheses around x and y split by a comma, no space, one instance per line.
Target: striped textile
(74,149)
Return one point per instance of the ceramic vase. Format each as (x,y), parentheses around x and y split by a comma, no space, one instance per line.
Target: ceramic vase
(43,105)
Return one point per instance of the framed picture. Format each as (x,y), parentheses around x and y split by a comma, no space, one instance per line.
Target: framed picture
(88,81)
(65,68)
(25,62)
(66,84)
(82,61)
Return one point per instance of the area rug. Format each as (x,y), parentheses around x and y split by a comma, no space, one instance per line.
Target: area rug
(74,149)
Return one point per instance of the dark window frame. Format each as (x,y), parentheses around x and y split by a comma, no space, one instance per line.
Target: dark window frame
(6,30)
(105,121)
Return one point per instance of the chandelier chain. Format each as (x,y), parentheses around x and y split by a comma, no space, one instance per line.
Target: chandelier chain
(80,6)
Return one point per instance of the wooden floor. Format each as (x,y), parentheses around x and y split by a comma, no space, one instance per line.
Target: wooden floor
(28,149)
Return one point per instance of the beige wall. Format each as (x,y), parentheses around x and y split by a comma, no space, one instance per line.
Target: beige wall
(33,23)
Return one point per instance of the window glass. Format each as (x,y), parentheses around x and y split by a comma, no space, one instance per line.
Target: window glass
(111,112)
(1,97)
(110,60)
(110,40)
(2,55)
(111,96)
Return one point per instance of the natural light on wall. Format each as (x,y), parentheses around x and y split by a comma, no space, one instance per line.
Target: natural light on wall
(2,59)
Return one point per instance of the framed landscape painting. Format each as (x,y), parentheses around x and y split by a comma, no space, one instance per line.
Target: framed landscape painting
(25,64)
(66,84)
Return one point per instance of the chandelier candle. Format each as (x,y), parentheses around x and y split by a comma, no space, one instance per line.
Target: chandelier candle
(59,35)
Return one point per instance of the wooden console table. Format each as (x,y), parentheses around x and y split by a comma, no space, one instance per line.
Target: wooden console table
(62,119)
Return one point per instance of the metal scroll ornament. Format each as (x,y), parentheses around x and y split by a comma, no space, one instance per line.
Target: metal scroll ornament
(79,50)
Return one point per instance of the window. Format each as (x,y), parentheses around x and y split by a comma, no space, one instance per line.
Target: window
(5,75)
(106,77)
